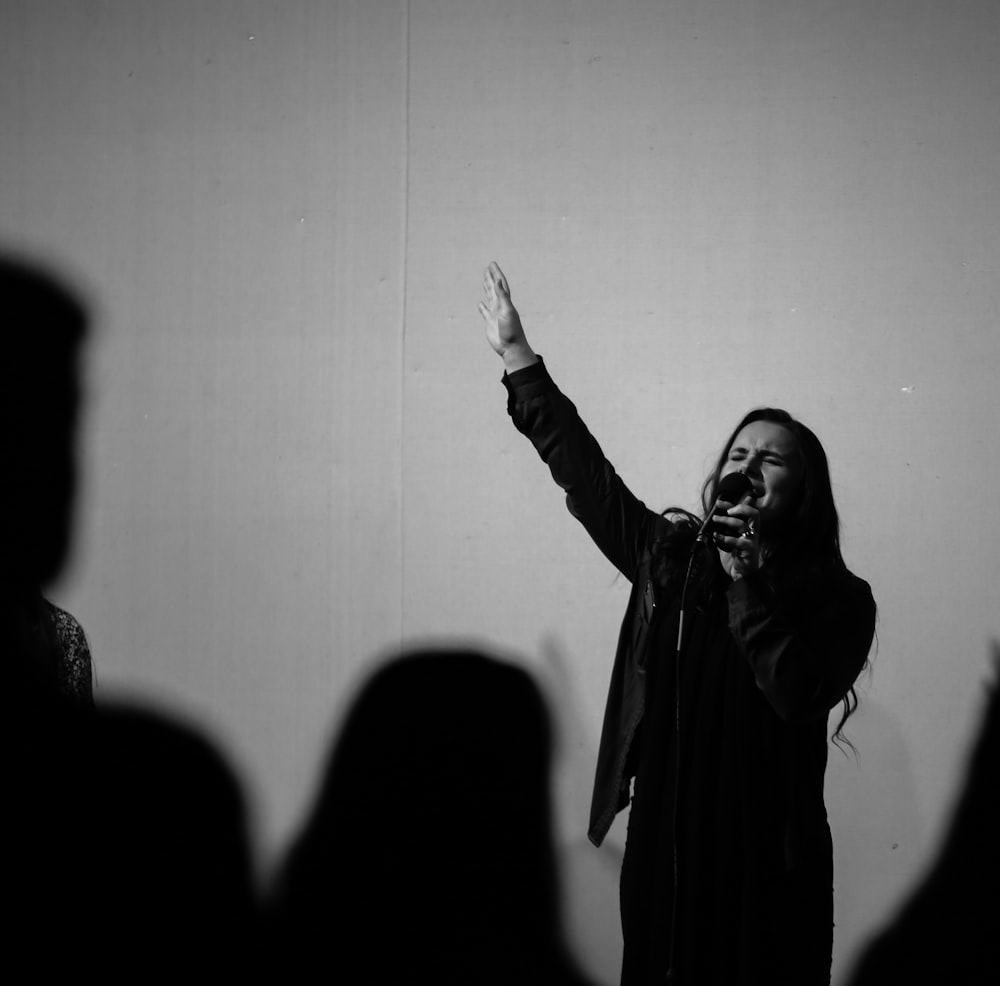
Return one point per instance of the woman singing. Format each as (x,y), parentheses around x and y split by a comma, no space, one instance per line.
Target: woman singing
(742,633)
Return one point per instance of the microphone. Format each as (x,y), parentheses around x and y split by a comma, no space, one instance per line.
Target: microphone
(732,489)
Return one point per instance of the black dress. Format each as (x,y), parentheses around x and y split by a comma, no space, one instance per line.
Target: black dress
(744,906)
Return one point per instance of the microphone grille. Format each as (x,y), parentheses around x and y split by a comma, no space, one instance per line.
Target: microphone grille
(734,487)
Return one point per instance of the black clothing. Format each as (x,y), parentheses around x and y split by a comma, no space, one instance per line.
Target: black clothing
(75,669)
(45,651)
(759,670)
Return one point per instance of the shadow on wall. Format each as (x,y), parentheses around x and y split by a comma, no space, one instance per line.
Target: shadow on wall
(946,931)
(123,836)
(429,854)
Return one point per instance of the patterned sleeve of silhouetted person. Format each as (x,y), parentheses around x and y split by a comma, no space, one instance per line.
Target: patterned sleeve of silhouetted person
(75,667)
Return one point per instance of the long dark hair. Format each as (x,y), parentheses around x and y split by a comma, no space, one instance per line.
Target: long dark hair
(808,541)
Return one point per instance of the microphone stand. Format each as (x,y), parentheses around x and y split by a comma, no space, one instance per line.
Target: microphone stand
(670,977)
(732,487)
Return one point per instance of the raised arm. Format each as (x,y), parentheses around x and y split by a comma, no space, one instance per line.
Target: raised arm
(619,523)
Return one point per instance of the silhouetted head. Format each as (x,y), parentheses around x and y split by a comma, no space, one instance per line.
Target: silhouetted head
(441,725)
(431,844)
(788,467)
(43,328)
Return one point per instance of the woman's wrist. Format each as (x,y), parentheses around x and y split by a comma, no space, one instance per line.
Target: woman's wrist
(518,356)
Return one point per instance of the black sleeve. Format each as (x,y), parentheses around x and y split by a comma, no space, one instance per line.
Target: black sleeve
(619,523)
(805,654)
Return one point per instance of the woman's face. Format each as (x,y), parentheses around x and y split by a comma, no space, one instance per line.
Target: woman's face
(769,455)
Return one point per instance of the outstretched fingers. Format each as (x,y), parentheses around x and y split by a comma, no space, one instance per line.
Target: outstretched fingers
(497,280)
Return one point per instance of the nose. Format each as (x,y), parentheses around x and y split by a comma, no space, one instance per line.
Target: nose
(751,469)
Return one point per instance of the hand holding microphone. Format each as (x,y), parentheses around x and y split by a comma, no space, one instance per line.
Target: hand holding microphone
(736,525)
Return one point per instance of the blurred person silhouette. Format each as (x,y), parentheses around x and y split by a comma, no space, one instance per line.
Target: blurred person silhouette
(44,647)
(946,930)
(123,839)
(428,856)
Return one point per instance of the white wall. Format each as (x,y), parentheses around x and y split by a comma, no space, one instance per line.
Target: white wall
(296,450)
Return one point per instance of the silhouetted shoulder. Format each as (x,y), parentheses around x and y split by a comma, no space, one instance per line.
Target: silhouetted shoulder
(75,671)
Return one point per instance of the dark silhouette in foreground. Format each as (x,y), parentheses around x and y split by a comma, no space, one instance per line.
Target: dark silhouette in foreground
(428,857)
(947,930)
(43,329)
(123,849)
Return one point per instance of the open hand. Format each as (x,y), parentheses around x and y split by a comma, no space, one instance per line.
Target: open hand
(503,325)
